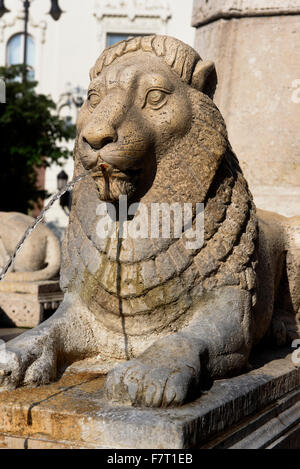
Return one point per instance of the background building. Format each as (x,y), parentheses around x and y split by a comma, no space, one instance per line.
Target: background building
(62,52)
(255,46)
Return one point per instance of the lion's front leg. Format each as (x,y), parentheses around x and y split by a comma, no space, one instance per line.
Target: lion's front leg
(217,342)
(164,375)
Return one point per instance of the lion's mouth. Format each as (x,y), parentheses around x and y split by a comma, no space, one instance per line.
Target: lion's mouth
(106,170)
(111,182)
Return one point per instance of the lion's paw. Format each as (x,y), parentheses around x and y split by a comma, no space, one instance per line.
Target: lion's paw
(27,367)
(41,371)
(139,384)
(10,371)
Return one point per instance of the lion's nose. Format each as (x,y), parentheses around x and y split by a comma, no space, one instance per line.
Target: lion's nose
(98,138)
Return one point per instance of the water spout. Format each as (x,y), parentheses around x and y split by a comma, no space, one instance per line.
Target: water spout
(29,230)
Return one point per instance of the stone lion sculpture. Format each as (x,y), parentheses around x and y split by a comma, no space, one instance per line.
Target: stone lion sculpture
(39,259)
(160,318)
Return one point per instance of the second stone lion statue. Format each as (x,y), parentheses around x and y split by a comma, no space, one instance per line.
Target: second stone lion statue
(161,318)
(39,259)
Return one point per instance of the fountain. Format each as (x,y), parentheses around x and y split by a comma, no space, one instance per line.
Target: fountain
(154,342)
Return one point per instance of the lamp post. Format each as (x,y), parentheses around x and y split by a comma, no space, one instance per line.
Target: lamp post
(26,5)
(62,179)
(55,12)
(66,199)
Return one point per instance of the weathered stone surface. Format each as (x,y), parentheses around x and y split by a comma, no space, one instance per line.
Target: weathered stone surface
(254,410)
(164,317)
(212,10)
(254,47)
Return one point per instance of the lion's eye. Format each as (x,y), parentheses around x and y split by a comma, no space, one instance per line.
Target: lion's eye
(93,100)
(156,98)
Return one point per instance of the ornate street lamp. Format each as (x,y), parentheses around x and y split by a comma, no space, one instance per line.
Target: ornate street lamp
(62,179)
(55,12)
(72,97)
(3,9)
(65,200)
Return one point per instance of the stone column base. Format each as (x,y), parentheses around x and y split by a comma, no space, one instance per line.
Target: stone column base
(253,44)
(27,304)
(260,409)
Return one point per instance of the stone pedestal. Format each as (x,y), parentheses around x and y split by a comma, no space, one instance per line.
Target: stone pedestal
(255,45)
(260,409)
(27,304)
(7,334)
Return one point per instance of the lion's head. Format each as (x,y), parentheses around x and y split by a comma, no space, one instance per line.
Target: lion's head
(140,110)
(150,130)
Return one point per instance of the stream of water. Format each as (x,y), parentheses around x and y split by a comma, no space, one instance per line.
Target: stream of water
(29,230)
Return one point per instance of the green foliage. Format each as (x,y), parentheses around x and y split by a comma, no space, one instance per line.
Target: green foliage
(32,136)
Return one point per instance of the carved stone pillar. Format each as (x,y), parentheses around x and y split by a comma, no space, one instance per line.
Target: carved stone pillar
(255,45)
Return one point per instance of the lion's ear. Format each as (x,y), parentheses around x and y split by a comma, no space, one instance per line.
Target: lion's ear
(205,78)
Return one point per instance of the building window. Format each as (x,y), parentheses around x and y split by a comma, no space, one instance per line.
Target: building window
(15,52)
(113,38)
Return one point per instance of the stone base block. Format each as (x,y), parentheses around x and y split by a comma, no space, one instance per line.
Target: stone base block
(260,409)
(10,333)
(27,304)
